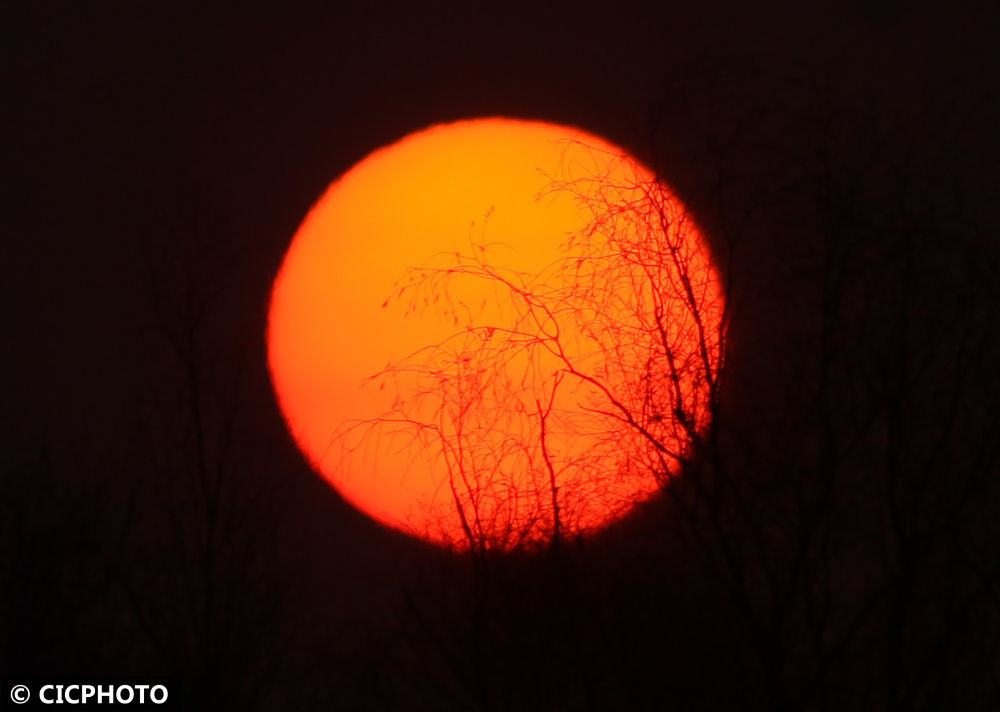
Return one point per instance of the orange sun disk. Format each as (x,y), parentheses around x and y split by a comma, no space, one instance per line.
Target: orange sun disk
(392,336)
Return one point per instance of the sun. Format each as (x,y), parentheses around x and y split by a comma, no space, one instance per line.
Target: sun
(496,333)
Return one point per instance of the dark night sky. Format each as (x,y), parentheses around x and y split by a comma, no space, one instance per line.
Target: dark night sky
(119,117)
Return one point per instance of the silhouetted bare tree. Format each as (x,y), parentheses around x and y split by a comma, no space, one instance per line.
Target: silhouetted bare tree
(195,567)
(845,502)
(595,388)
(826,446)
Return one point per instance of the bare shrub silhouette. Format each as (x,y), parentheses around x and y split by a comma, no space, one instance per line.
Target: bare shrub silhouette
(845,504)
(598,380)
(839,509)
